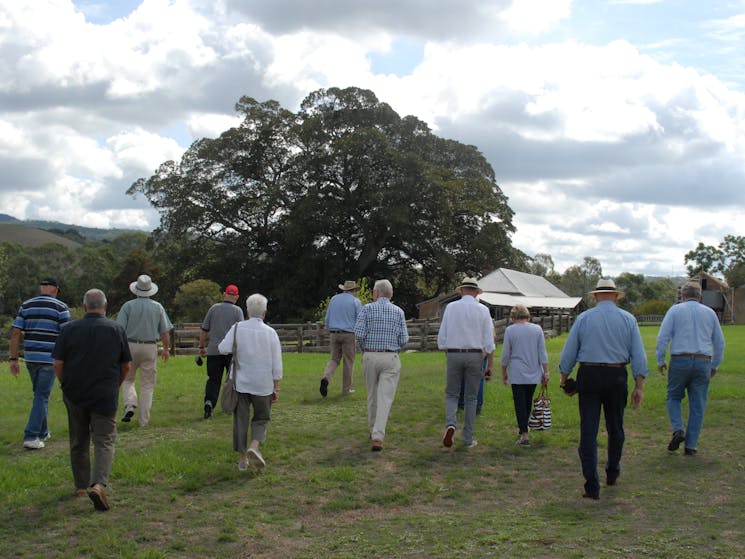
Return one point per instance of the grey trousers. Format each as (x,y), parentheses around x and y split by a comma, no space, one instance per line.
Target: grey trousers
(259,423)
(460,367)
(85,424)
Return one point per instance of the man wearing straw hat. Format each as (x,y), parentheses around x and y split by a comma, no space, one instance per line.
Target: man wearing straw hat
(603,340)
(145,321)
(467,336)
(341,316)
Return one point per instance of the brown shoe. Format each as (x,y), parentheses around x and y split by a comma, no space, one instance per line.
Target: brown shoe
(377,445)
(79,492)
(98,496)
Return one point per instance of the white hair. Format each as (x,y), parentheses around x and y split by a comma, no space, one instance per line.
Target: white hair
(256,305)
(94,299)
(384,288)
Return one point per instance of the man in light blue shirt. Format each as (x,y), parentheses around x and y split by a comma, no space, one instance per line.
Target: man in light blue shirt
(696,349)
(467,336)
(341,316)
(603,340)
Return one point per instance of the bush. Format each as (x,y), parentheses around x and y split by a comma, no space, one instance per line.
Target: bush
(193,299)
(653,306)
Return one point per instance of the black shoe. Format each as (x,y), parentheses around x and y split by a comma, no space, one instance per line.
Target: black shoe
(611,479)
(207,410)
(324,389)
(128,416)
(594,495)
(678,437)
(690,451)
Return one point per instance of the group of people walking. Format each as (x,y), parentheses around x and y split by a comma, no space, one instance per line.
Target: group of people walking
(93,356)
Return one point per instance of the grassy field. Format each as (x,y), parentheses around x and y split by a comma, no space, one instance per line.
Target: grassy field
(176,493)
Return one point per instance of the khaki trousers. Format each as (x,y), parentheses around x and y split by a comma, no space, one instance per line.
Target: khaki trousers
(143,358)
(381,371)
(342,347)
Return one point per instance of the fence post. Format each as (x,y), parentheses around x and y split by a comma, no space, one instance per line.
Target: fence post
(300,339)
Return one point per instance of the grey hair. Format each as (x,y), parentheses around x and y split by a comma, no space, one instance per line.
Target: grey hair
(384,288)
(519,311)
(690,290)
(94,299)
(256,305)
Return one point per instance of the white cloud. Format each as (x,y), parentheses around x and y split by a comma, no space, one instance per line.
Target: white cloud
(536,16)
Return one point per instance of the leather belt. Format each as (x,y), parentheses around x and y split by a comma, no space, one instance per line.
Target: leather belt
(612,365)
(692,355)
(141,341)
(380,351)
(463,351)
(340,332)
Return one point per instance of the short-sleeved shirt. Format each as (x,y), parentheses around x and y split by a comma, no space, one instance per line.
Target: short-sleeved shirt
(143,319)
(40,319)
(218,320)
(93,349)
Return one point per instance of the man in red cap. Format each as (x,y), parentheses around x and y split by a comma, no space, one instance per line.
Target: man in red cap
(218,320)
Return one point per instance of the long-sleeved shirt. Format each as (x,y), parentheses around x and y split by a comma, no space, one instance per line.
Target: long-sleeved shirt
(690,327)
(257,358)
(342,312)
(524,353)
(381,326)
(605,334)
(466,324)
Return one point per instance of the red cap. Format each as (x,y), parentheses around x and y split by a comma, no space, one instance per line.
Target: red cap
(231,290)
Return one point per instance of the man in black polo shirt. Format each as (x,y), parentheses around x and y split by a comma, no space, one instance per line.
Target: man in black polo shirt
(91,359)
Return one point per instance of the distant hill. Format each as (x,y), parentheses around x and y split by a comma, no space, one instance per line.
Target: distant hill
(55,227)
(25,235)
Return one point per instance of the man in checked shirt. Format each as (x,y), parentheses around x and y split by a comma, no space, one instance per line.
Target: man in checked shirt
(381,333)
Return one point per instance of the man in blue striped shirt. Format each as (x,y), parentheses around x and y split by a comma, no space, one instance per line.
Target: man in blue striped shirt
(696,349)
(39,321)
(381,333)
(603,340)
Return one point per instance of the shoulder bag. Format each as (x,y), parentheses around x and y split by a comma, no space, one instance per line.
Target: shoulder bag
(229,396)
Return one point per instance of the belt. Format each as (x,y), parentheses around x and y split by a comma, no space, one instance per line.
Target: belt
(612,365)
(380,351)
(141,341)
(341,332)
(463,351)
(692,355)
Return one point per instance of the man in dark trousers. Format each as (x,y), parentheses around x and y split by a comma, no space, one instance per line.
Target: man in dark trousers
(603,340)
(91,360)
(219,319)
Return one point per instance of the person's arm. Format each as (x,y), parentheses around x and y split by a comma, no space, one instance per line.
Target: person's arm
(638,394)
(165,352)
(202,343)
(59,367)
(663,339)
(15,339)
(124,369)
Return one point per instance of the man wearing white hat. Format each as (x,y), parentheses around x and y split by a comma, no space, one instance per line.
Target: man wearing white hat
(145,321)
(603,340)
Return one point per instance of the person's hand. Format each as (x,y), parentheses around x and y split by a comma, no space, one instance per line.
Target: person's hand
(14,368)
(164,355)
(713,372)
(275,397)
(637,396)
(661,369)
(203,351)
(487,375)
(545,379)
(504,377)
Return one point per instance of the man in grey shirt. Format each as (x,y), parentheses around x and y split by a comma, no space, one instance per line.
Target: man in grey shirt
(218,320)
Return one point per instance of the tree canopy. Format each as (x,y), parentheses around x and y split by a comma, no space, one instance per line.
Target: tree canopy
(292,203)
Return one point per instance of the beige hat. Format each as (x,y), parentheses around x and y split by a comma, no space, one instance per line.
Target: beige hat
(606,286)
(143,287)
(349,285)
(469,283)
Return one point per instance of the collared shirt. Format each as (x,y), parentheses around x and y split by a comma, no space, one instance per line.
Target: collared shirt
(40,318)
(381,326)
(257,358)
(524,353)
(342,312)
(92,350)
(605,334)
(690,327)
(218,320)
(466,324)
(143,319)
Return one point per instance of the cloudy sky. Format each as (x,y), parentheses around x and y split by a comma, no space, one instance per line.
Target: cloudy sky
(615,127)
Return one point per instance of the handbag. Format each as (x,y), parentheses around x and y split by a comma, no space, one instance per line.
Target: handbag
(229,396)
(540,417)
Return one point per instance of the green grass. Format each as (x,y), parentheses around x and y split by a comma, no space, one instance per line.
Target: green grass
(175,490)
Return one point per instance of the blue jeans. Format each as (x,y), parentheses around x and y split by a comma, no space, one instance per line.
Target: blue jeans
(690,374)
(42,381)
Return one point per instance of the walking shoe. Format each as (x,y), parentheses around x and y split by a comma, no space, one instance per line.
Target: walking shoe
(324,389)
(98,496)
(690,451)
(678,437)
(255,458)
(47,436)
(447,440)
(377,445)
(128,415)
(33,444)
(522,442)
(242,465)
(611,479)
(80,492)
(472,444)
(207,410)
(594,495)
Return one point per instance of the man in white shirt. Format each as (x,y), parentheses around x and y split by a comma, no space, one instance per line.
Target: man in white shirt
(466,335)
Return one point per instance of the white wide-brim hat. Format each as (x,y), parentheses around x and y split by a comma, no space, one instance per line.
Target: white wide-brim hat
(143,287)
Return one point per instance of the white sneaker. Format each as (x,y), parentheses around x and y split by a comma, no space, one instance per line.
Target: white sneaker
(242,466)
(255,458)
(473,443)
(49,436)
(33,444)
